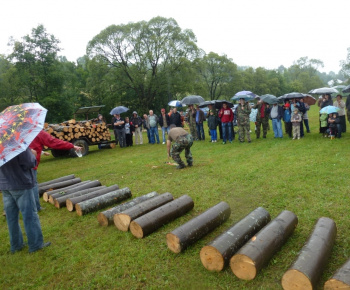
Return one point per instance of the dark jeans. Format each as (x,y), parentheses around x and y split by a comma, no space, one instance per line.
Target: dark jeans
(121,137)
(200,131)
(306,122)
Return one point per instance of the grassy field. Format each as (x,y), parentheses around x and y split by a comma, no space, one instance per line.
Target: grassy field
(309,177)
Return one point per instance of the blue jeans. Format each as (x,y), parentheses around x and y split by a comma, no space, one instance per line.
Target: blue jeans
(214,135)
(22,200)
(163,132)
(200,131)
(277,128)
(36,191)
(154,131)
(227,131)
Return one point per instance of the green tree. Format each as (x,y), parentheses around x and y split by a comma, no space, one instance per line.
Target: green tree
(345,64)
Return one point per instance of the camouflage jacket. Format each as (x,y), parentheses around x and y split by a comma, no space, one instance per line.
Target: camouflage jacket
(243,114)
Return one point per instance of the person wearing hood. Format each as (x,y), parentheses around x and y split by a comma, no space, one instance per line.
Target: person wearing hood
(136,120)
(334,125)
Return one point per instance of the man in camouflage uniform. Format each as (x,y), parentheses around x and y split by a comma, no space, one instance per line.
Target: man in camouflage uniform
(191,119)
(262,118)
(243,121)
(182,141)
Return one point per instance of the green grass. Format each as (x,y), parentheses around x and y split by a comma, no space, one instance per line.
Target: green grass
(308,177)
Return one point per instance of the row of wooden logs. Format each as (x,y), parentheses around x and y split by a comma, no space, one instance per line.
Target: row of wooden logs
(246,246)
(72,129)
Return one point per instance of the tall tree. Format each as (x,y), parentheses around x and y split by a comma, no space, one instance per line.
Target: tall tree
(346,66)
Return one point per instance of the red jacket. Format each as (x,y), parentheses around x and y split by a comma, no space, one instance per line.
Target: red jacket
(226,115)
(45,139)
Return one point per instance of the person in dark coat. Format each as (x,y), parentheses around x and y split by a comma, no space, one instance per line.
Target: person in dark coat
(175,118)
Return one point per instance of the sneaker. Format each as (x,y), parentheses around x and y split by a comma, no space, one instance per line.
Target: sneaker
(294,138)
(224,142)
(163,143)
(180,166)
(190,164)
(45,245)
(298,138)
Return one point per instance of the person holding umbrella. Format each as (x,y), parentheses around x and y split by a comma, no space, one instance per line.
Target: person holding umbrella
(226,116)
(243,111)
(276,114)
(191,119)
(339,103)
(119,129)
(262,118)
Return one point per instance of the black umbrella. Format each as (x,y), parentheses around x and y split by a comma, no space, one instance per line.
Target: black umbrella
(323,91)
(293,95)
(269,99)
(206,104)
(346,89)
(218,104)
(192,100)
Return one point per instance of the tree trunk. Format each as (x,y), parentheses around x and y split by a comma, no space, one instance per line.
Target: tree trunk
(58,185)
(341,278)
(102,201)
(61,200)
(105,218)
(63,178)
(307,268)
(72,201)
(249,260)
(217,254)
(190,232)
(90,184)
(47,194)
(122,220)
(150,222)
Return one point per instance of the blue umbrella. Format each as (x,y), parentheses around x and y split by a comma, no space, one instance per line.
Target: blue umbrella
(329,110)
(175,103)
(246,95)
(119,110)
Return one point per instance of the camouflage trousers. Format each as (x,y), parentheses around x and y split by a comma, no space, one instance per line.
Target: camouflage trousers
(264,123)
(182,143)
(244,129)
(193,130)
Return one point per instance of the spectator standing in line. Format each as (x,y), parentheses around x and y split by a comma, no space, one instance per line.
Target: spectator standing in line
(287,119)
(213,121)
(153,125)
(164,122)
(226,116)
(262,118)
(276,114)
(347,105)
(296,120)
(191,119)
(129,129)
(147,127)
(339,103)
(305,115)
(243,111)
(175,118)
(136,120)
(200,118)
(119,127)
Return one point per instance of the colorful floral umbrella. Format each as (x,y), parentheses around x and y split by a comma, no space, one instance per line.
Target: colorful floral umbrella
(19,125)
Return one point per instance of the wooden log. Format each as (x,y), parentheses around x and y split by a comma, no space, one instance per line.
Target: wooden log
(249,260)
(341,278)
(61,201)
(63,178)
(217,254)
(122,220)
(192,231)
(90,184)
(72,201)
(47,194)
(45,190)
(150,222)
(102,201)
(307,268)
(105,218)
(107,145)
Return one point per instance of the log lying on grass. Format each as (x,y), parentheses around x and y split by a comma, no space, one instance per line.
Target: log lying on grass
(190,232)
(61,200)
(105,218)
(148,223)
(72,201)
(122,220)
(307,268)
(102,201)
(63,178)
(90,184)
(249,260)
(47,194)
(341,278)
(58,185)
(107,146)
(217,254)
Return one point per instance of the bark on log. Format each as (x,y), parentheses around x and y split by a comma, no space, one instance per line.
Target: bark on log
(47,194)
(150,222)
(190,232)
(341,278)
(102,201)
(307,268)
(72,201)
(122,220)
(90,184)
(249,260)
(58,185)
(107,145)
(63,178)
(217,254)
(61,201)
(105,218)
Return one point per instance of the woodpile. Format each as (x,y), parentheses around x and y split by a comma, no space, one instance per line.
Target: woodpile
(72,130)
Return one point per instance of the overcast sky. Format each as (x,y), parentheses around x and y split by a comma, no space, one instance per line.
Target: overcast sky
(266,33)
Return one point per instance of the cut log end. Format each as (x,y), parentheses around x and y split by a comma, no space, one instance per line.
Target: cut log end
(69,205)
(122,221)
(332,284)
(57,204)
(136,230)
(45,197)
(102,219)
(173,243)
(212,259)
(51,200)
(294,279)
(243,267)
(78,210)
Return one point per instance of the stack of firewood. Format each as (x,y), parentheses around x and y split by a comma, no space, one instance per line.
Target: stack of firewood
(72,129)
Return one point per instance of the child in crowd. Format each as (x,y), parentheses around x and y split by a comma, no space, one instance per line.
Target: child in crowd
(212,124)
(296,119)
(333,120)
(286,119)
(324,124)
(129,129)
